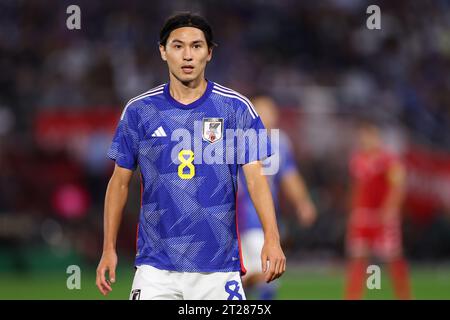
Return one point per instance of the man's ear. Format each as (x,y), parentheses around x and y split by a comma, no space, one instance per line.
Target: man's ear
(209,54)
(162,51)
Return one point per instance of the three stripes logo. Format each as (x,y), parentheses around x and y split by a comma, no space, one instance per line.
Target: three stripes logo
(159,132)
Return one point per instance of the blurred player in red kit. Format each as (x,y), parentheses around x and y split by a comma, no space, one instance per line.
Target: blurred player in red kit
(374,226)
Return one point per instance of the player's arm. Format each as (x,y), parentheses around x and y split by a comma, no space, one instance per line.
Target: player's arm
(115,200)
(293,186)
(261,196)
(396,178)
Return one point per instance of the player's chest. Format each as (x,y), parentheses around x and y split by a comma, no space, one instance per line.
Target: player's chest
(171,126)
(370,170)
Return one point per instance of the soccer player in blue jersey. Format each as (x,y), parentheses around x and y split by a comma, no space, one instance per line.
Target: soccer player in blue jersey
(289,181)
(189,137)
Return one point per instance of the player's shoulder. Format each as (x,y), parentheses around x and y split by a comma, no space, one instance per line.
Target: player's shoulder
(236,99)
(285,140)
(282,141)
(136,102)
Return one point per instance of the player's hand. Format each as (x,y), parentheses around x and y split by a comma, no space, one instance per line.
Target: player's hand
(307,214)
(108,263)
(273,261)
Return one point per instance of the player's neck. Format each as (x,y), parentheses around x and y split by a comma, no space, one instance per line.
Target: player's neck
(189,92)
(372,152)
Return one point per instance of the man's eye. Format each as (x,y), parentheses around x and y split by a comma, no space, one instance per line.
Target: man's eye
(197,46)
(177,46)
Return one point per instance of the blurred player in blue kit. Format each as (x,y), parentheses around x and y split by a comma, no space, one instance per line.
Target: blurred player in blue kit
(187,242)
(287,180)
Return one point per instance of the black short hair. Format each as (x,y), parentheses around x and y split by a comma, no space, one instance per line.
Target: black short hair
(186,19)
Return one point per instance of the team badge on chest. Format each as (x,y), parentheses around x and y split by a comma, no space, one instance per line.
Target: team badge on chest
(212,129)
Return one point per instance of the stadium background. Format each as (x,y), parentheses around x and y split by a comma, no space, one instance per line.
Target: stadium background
(61,93)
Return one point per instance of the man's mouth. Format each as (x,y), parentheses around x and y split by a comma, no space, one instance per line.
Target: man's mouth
(187,69)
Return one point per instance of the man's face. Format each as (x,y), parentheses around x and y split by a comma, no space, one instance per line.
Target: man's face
(267,110)
(369,138)
(186,53)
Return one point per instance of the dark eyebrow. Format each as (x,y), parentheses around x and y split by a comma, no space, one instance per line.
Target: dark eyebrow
(194,42)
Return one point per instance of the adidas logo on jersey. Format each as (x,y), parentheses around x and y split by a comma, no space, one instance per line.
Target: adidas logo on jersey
(159,132)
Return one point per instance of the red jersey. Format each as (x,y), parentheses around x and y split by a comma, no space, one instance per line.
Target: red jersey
(370,179)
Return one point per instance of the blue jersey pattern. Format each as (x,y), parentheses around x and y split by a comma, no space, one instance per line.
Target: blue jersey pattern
(185,224)
(247,216)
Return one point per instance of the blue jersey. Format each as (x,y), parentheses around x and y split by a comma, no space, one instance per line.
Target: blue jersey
(247,216)
(188,213)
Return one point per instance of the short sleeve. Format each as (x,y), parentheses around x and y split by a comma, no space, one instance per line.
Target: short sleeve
(253,141)
(124,146)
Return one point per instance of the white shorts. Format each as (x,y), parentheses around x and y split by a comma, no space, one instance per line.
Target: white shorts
(252,242)
(151,283)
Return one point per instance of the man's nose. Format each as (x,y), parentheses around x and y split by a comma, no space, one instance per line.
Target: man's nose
(187,54)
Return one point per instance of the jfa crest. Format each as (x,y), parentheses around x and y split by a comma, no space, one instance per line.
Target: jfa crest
(212,129)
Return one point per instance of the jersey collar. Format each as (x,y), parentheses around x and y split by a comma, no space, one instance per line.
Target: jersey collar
(196,103)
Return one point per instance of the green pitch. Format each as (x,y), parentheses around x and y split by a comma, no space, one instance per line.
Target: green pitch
(297,283)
